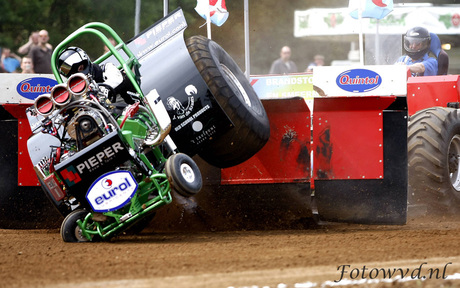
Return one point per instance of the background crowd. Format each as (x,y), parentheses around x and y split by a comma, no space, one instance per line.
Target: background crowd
(34,56)
(284,64)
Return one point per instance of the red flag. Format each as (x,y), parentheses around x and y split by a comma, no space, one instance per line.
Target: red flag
(217,10)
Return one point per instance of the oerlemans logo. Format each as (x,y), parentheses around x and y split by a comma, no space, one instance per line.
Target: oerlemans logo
(111,191)
(70,176)
(359,80)
(31,88)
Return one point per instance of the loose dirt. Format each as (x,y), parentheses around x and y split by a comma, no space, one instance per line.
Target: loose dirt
(281,258)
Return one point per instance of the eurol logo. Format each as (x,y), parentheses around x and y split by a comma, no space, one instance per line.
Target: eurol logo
(359,80)
(31,88)
(111,191)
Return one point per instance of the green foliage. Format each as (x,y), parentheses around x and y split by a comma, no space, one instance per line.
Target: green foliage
(271,25)
(60,18)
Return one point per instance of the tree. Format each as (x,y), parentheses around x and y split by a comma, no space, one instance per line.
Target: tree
(19,18)
(271,25)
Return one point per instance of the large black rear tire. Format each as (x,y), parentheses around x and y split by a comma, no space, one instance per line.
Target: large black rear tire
(237,98)
(434,151)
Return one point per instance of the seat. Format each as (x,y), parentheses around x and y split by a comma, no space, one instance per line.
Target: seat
(441,55)
(443,62)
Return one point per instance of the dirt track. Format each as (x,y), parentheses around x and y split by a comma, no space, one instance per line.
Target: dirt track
(38,258)
(275,244)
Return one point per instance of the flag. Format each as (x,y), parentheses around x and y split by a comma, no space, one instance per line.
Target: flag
(217,9)
(377,9)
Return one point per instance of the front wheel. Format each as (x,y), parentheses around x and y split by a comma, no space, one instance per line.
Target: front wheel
(70,231)
(184,174)
(434,166)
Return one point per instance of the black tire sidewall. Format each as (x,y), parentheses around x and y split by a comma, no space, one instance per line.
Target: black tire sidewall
(429,178)
(221,57)
(452,127)
(69,225)
(251,128)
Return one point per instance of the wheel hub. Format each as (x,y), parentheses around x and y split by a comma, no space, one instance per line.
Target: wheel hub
(237,83)
(453,159)
(79,235)
(187,172)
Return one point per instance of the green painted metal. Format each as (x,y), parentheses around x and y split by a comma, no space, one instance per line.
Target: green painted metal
(130,66)
(153,191)
(138,208)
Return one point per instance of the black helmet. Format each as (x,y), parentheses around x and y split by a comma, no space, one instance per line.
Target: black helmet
(417,42)
(74,60)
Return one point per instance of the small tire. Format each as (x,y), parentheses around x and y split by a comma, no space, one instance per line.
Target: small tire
(184,174)
(433,158)
(237,98)
(70,231)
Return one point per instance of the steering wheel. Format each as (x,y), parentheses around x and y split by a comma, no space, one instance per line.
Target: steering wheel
(112,95)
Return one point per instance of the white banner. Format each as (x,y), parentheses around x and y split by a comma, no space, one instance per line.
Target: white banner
(337,21)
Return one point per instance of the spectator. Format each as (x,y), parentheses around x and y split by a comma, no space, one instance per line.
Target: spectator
(318,60)
(106,49)
(10,61)
(417,44)
(2,70)
(41,54)
(33,41)
(283,65)
(26,65)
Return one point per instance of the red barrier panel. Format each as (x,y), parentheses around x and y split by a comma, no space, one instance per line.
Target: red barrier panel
(431,91)
(348,137)
(286,156)
(26,173)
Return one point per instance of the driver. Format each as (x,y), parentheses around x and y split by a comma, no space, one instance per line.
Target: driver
(417,44)
(74,60)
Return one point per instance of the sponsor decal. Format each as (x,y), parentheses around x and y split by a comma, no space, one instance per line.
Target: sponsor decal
(191,90)
(204,135)
(31,88)
(180,110)
(191,118)
(158,34)
(111,191)
(139,41)
(359,80)
(70,176)
(97,160)
(456,19)
(53,186)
